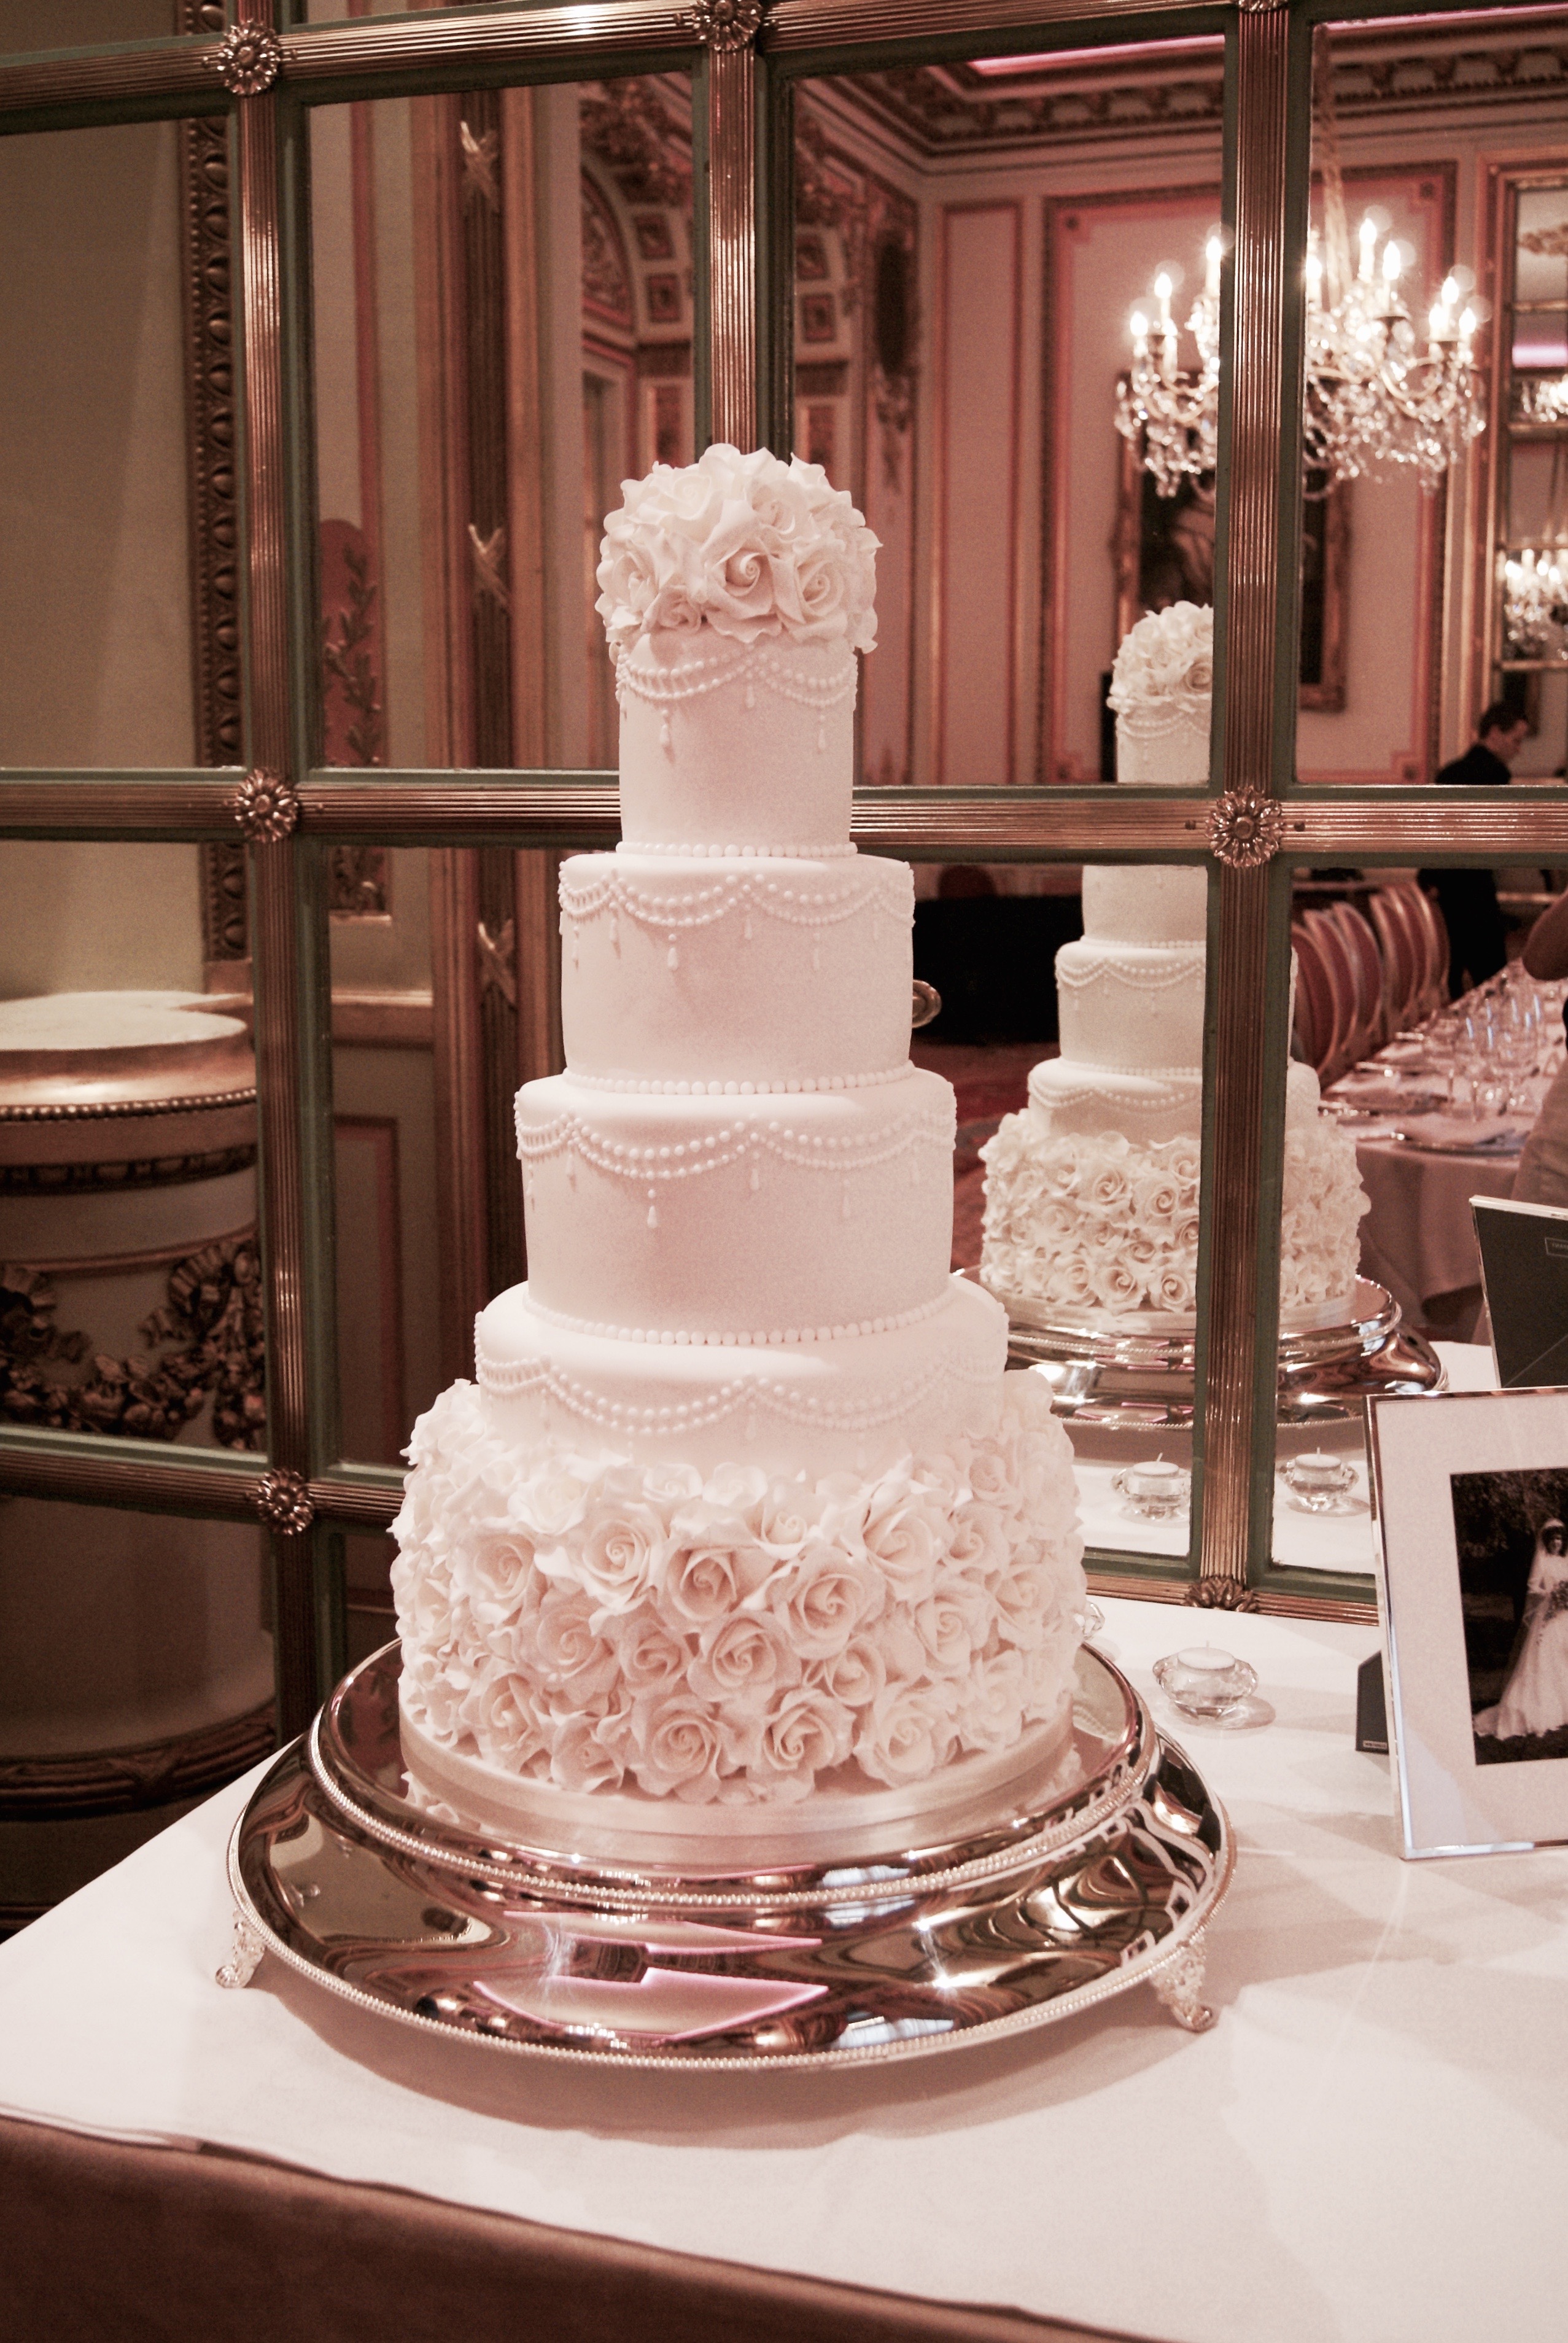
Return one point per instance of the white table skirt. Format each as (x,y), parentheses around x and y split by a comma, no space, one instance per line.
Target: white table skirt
(1370,2144)
(1418,1239)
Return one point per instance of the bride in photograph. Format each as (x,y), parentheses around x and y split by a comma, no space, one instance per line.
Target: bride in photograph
(1535,1697)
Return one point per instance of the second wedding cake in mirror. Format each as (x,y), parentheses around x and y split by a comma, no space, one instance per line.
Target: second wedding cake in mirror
(742,1528)
(1091,1200)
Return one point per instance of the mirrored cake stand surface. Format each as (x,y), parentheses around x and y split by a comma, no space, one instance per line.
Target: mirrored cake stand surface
(1133,1380)
(1072,1894)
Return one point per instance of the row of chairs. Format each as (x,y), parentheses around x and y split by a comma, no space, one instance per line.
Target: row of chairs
(1362,978)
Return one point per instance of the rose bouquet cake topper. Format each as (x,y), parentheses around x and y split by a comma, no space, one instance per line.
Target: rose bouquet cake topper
(747,546)
(1169,654)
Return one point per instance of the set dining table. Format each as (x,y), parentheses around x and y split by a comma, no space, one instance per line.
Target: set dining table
(1425,1144)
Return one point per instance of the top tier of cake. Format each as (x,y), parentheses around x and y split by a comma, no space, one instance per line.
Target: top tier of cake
(735,593)
(1161,689)
(733,747)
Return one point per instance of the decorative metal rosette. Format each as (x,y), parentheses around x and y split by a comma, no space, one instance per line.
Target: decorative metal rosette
(1246,829)
(1222,1594)
(266,807)
(283,1501)
(249,59)
(726,23)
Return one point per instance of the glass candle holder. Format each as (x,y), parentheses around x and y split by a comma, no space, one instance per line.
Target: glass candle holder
(1205,1682)
(1318,1482)
(1156,1489)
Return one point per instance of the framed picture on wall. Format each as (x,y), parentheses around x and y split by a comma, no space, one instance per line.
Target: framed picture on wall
(1165,554)
(1471,1495)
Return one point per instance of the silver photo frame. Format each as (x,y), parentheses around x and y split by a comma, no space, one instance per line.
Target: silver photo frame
(1470,1490)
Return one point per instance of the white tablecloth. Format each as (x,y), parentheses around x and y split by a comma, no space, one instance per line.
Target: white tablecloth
(1418,1239)
(1370,2144)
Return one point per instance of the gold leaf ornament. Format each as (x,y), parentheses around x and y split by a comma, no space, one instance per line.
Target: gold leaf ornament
(1246,829)
(283,1501)
(249,59)
(266,807)
(726,24)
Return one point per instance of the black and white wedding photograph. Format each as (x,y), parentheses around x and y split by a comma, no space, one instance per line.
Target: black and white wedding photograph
(1510,1530)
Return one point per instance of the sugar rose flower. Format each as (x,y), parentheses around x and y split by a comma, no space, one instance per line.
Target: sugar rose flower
(949,1627)
(744,546)
(805,1732)
(741,1657)
(704,1583)
(649,1654)
(580,1759)
(619,1550)
(675,1746)
(904,1537)
(907,1732)
(569,1654)
(820,1599)
(977,1541)
(500,1569)
(854,1675)
(1168,653)
(992,1716)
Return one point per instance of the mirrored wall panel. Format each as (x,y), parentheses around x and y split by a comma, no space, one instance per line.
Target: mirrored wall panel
(1006,299)
(503,308)
(1430,525)
(397,1256)
(96,458)
(45,24)
(133,1304)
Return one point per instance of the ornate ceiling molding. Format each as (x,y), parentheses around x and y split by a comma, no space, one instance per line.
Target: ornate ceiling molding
(958,109)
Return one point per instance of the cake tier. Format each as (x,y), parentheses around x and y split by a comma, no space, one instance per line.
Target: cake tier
(1136,1007)
(679,970)
(1099,1227)
(718,1216)
(728,1635)
(838,1398)
(1164,743)
(1066,1096)
(1144,903)
(726,745)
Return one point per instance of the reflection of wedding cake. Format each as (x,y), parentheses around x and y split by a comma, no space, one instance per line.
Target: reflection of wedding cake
(1092,1192)
(742,1506)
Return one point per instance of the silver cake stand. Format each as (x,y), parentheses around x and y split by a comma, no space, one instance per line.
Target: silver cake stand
(1147,1381)
(1056,1906)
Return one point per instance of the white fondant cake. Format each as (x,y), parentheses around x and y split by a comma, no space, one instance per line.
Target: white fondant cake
(743,1510)
(1092,1192)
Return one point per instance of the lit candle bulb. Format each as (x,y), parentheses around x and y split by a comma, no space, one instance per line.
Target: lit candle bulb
(1390,261)
(1213,252)
(1314,281)
(1140,325)
(1369,243)
(1163,288)
(1466,330)
(1450,291)
(1439,322)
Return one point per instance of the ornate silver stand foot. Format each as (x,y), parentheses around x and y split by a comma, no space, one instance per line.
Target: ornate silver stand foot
(246,1957)
(1179,1985)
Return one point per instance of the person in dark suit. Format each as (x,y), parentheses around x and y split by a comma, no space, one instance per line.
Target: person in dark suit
(1477,946)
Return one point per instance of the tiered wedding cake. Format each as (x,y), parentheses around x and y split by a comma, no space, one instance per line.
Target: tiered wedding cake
(742,1508)
(1091,1192)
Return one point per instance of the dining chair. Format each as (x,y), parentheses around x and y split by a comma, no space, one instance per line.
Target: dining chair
(1361,948)
(1317,1006)
(1432,928)
(1403,957)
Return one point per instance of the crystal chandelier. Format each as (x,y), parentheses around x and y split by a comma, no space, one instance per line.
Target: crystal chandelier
(1535,584)
(1374,401)
(1177,413)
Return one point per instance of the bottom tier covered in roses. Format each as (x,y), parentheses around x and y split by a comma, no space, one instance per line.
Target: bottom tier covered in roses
(580,1619)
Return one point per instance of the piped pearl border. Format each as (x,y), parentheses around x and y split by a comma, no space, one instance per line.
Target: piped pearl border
(884,891)
(568,1134)
(753,1398)
(659,1336)
(790,1087)
(1096,966)
(837,852)
(751,664)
